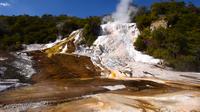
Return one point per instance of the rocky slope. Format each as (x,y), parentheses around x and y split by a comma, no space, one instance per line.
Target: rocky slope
(114,51)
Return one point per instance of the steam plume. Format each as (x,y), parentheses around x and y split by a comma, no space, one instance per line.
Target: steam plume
(124,11)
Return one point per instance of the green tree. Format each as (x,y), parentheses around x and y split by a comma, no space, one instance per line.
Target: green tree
(91,30)
(179,44)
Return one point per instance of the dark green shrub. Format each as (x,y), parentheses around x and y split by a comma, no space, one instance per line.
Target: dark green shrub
(179,44)
(24,29)
(91,30)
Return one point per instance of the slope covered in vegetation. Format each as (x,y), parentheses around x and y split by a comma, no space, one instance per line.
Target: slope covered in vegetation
(179,43)
(24,29)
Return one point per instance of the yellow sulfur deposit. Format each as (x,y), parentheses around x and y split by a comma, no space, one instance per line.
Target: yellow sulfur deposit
(56,49)
(113,74)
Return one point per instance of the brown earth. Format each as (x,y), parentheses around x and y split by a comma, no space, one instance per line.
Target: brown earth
(64,78)
(64,66)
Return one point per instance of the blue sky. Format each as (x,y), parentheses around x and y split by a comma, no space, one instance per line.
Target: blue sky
(80,8)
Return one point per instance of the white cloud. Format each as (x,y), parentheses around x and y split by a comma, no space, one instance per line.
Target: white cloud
(4,4)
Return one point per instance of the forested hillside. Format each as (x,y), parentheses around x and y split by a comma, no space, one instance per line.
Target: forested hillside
(24,29)
(179,42)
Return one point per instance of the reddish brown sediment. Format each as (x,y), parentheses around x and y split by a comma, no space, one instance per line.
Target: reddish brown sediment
(63,66)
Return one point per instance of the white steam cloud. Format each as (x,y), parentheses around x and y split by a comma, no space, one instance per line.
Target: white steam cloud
(124,11)
(4,4)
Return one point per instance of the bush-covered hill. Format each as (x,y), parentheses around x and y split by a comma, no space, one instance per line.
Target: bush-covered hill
(24,29)
(179,43)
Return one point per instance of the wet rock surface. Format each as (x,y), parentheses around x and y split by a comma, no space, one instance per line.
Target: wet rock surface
(13,71)
(64,66)
(66,80)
